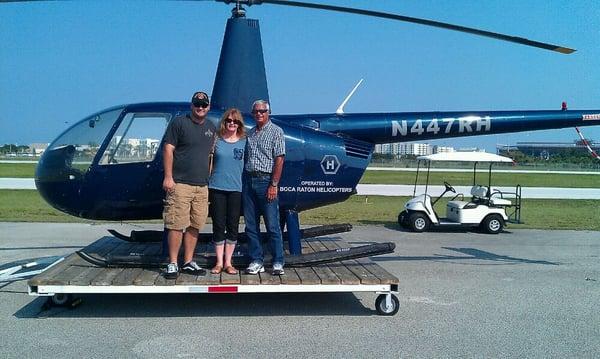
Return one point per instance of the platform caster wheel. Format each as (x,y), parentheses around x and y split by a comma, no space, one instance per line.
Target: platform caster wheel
(61,300)
(385,307)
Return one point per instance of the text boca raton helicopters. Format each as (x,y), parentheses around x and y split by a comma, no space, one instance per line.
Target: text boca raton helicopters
(109,166)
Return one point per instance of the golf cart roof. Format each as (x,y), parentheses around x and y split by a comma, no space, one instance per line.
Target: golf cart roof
(465,157)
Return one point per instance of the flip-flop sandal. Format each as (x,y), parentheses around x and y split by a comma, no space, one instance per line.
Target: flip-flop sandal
(216,269)
(230,270)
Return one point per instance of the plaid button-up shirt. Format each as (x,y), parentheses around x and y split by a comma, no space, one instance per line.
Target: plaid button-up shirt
(263,146)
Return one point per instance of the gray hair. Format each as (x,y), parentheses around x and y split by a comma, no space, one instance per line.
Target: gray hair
(261,102)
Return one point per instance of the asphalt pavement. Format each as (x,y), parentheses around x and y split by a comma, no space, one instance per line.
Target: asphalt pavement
(522,293)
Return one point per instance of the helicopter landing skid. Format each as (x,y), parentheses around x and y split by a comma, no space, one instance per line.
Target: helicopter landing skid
(293,261)
(149,236)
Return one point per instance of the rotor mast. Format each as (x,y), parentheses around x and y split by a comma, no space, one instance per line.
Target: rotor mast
(241,77)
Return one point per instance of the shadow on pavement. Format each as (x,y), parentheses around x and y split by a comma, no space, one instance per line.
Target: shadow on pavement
(198,305)
(470,254)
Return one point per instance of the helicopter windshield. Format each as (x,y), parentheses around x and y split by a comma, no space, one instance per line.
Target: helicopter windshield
(137,139)
(86,137)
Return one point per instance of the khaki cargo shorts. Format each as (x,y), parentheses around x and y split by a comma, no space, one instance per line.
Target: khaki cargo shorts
(186,206)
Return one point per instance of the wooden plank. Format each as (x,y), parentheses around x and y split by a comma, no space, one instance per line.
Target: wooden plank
(208,279)
(250,279)
(65,276)
(147,277)
(359,271)
(268,279)
(46,276)
(86,276)
(127,276)
(384,276)
(162,281)
(308,276)
(345,275)
(325,273)
(290,277)
(331,244)
(230,278)
(186,279)
(364,275)
(106,276)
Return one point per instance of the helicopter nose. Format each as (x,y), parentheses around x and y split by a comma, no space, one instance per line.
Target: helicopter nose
(56,180)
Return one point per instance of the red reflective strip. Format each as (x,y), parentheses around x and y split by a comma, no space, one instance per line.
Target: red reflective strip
(223,289)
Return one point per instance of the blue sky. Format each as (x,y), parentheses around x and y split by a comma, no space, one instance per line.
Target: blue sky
(61,61)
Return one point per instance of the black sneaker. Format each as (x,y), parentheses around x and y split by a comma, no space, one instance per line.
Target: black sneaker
(193,268)
(172,271)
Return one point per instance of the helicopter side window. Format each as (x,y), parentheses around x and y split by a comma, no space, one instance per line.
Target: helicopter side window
(137,139)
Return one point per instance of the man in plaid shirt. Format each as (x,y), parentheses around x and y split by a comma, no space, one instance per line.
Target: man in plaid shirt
(265,152)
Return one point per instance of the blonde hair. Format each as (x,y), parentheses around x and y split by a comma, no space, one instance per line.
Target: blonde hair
(235,114)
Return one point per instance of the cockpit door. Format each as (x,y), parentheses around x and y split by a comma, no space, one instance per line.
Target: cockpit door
(127,178)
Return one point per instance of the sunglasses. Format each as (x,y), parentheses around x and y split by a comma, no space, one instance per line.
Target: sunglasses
(230,120)
(259,111)
(200,103)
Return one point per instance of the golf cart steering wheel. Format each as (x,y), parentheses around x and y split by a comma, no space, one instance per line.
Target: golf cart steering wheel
(449,187)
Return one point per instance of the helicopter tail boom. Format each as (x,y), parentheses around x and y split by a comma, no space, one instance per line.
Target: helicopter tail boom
(404,126)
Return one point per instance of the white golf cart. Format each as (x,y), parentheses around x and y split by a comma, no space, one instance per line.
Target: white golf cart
(488,208)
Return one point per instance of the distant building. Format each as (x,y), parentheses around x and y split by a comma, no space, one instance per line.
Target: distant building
(470,149)
(548,149)
(401,149)
(443,149)
(38,148)
(415,149)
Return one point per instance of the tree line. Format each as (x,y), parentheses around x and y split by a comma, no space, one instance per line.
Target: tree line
(13,148)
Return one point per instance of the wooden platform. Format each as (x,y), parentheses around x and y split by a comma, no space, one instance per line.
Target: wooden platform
(75,273)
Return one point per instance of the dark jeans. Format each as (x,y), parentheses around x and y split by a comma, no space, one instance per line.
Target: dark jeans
(225,209)
(255,205)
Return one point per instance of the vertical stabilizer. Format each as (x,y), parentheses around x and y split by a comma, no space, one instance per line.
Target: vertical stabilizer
(241,77)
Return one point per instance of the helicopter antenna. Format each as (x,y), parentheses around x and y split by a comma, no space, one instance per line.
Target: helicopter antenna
(340,109)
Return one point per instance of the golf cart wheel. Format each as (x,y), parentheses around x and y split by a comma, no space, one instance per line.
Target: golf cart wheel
(61,299)
(385,308)
(418,222)
(493,224)
(402,219)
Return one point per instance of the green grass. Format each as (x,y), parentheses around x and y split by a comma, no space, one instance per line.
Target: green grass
(17,170)
(498,179)
(28,206)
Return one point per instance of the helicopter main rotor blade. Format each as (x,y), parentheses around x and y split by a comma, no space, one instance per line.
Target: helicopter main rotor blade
(443,25)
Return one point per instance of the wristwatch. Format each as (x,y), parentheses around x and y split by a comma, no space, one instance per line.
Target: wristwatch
(274,183)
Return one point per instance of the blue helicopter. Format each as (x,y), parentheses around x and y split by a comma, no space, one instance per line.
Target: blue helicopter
(108,166)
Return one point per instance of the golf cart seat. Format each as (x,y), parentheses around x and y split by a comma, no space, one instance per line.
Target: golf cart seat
(500,202)
(496,198)
(480,192)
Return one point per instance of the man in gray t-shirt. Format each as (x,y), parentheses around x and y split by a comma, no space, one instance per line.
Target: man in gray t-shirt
(188,142)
